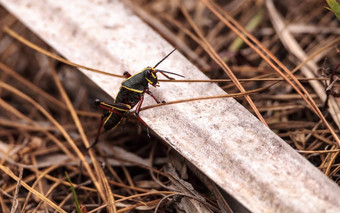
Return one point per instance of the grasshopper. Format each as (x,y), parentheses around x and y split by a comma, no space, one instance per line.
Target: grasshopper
(131,93)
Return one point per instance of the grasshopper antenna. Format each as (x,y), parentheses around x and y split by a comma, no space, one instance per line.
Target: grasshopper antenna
(172,73)
(163,71)
(164,58)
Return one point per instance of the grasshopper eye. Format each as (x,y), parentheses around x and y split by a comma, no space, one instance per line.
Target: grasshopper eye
(152,73)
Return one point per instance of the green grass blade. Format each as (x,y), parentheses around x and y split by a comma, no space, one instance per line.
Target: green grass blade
(74,193)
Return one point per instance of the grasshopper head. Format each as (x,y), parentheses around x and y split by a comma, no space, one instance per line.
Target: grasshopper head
(150,72)
(151,76)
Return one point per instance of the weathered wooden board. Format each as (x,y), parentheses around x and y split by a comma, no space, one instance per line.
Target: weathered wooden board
(220,137)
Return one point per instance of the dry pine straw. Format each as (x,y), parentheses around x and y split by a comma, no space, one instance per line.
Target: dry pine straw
(284,110)
(31,137)
(38,128)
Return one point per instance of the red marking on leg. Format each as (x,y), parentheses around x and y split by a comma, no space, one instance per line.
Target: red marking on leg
(150,93)
(98,133)
(141,120)
(127,74)
(141,99)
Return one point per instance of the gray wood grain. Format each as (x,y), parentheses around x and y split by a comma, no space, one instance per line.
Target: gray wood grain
(220,137)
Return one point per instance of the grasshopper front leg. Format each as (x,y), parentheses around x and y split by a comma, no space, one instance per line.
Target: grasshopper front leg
(147,91)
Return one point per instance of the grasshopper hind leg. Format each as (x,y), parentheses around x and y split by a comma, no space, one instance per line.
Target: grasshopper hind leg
(112,121)
(98,133)
(109,120)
